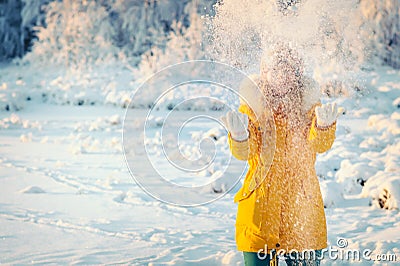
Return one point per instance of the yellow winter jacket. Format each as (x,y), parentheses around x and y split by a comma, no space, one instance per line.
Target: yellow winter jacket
(285,209)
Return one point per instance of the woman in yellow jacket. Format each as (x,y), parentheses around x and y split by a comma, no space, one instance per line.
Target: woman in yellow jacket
(280,206)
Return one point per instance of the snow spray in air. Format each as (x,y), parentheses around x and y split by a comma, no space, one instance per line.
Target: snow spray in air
(328,35)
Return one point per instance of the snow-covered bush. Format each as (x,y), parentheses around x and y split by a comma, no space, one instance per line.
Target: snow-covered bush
(384,189)
(77,34)
(332,193)
(352,175)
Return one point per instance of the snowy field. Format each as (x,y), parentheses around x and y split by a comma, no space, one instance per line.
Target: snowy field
(67,197)
(67,72)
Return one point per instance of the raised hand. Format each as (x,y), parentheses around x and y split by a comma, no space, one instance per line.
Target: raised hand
(236,123)
(326,114)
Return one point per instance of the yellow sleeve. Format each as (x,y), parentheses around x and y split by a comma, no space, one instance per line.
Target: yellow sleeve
(246,149)
(321,138)
(239,149)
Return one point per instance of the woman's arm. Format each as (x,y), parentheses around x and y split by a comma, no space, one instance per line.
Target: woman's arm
(243,150)
(321,138)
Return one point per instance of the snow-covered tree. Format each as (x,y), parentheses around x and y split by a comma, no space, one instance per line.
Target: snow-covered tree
(136,27)
(10,31)
(383,17)
(17,21)
(33,14)
(77,33)
(185,42)
(140,25)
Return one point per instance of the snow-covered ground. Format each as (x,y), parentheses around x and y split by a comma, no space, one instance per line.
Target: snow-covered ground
(67,197)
